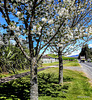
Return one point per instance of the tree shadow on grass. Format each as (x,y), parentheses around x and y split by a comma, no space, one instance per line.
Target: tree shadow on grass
(15,90)
(47,86)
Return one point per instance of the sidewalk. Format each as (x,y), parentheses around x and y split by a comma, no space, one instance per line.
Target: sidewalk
(6,79)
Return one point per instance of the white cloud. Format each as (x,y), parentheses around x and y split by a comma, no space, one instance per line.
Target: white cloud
(90,45)
(74,53)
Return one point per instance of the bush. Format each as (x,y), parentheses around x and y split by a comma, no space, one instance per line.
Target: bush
(48,85)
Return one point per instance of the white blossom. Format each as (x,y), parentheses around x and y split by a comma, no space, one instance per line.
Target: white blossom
(17,33)
(26,1)
(71,47)
(61,11)
(38,33)
(44,20)
(34,28)
(23,31)
(59,45)
(86,29)
(12,27)
(76,37)
(39,29)
(17,28)
(69,2)
(50,0)
(57,26)
(85,34)
(51,21)
(82,10)
(19,14)
(90,29)
(18,0)
(62,40)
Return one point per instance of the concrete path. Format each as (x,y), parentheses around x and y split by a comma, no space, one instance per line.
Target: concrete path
(6,79)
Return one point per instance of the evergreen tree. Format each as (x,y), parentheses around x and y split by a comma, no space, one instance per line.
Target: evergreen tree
(85,51)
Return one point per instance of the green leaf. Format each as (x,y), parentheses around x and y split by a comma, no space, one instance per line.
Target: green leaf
(13,56)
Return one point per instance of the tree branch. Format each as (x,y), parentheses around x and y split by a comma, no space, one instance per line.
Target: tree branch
(81,17)
(19,44)
(12,32)
(42,53)
(39,41)
(6,10)
(53,36)
(39,3)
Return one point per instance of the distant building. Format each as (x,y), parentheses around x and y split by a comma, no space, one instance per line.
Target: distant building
(48,59)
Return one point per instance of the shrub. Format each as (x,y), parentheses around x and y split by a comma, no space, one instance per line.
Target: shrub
(48,85)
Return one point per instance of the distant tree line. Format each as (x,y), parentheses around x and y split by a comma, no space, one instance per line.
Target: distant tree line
(86,51)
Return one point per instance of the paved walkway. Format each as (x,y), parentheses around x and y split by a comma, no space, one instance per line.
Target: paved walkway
(6,79)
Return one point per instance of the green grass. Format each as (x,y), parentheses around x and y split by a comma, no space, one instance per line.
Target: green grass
(78,86)
(75,87)
(71,63)
(53,55)
(66,63)
(6,74)
(49,64)
(64,58)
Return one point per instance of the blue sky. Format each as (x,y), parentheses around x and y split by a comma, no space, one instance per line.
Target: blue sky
(79,50)
(2,21)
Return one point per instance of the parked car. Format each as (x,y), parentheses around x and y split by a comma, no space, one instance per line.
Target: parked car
(89,60)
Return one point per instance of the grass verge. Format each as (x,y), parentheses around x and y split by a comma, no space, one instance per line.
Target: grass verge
(71,63)
(6,74)
(50,64)
(75,87)
(66,63)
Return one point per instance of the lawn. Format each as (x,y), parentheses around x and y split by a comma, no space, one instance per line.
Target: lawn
(65,63)
(50,64)
(6,74)
(75,87)
(71,63)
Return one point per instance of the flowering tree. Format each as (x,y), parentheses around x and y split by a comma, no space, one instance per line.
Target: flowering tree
(39,20)
(75,31)
(65,46)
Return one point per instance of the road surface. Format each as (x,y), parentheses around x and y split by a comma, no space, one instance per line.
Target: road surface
(87,68)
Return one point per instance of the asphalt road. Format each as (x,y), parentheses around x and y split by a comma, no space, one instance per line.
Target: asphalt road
(87,68)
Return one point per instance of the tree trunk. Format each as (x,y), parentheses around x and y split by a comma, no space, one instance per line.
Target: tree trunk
(60,66)
(34,82)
